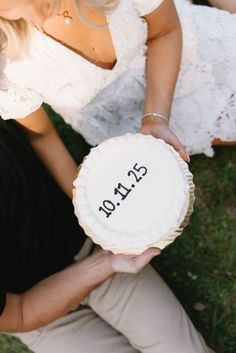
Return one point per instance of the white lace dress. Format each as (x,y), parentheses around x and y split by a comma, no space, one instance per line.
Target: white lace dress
(100,103)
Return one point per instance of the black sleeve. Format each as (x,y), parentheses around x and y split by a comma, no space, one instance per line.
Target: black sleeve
(2,301)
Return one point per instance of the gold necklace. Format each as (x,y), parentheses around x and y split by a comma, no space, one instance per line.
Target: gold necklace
(68,19)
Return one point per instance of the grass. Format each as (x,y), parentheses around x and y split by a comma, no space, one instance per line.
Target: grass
(200,266)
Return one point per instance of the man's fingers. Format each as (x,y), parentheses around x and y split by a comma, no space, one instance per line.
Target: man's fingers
(144,258)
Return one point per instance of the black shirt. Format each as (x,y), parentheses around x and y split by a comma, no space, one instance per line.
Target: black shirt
(39,233)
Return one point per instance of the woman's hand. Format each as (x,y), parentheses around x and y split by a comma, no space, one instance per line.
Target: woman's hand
(131,263)
(159,128)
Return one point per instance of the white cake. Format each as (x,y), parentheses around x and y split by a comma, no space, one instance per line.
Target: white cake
(133,192)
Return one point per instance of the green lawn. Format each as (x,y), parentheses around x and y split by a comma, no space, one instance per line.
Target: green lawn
(200,266)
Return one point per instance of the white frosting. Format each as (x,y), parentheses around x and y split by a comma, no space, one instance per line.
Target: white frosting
(155,188)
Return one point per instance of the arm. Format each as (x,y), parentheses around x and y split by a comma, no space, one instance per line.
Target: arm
(56,295)
(228,5)
(50,149)
(163,63)
(163,58)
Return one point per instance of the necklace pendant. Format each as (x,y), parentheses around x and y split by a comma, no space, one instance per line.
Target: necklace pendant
(67,18)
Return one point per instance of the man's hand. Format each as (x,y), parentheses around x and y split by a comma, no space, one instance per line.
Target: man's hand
(131,263)
(59,293)
(159,128)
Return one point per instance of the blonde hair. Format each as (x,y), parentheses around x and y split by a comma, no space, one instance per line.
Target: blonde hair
(15,34)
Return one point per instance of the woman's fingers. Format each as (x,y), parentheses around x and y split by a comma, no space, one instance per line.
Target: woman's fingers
(174,141)
(184,154)
(161,130)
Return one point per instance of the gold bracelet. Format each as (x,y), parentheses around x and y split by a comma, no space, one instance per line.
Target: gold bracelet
(155,115)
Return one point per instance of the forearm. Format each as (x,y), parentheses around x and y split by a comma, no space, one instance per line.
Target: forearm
(57,159)
(59,293)
(163,63)
(50,149)
(56,295)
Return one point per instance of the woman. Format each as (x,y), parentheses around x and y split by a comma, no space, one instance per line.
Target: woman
(90,67)
(48,268)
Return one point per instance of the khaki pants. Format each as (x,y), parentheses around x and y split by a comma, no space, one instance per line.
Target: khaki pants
(125,314)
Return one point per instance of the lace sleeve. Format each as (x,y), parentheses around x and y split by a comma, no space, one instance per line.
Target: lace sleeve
(17,102)
(145,7)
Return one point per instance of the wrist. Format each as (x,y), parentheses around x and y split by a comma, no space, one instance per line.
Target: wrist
(154,117)
(151,120)
(99,266)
